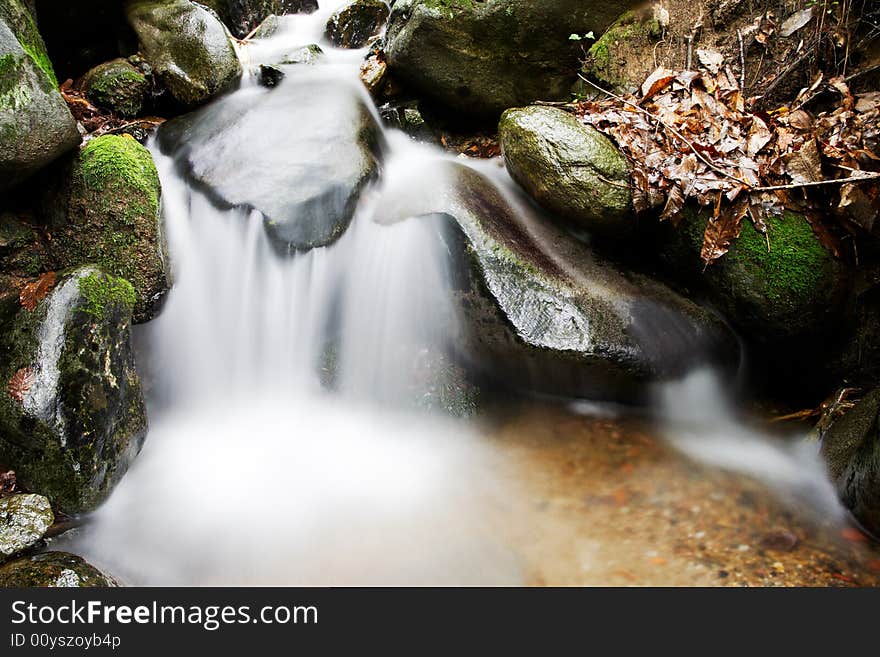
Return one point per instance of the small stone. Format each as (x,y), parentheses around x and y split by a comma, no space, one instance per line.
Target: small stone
(780,539)
(270,76)
(24,520)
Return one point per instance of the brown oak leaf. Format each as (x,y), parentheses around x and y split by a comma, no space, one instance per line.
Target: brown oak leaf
(20,383)
(35,291)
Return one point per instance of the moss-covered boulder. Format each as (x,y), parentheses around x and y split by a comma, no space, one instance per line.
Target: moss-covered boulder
(242,16)
(484,57)
(187,45)
(24,520)
(851,448)
(540,311)
(353,25)
(569,168)
(23,249)
(250,150)
(52,570)
(35,125)
(104,209)
(773,287)
(116,86)
(71,411)
(620,58)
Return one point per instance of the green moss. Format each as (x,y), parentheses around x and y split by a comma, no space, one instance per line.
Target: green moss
(627,32)
(100,292)
(114,160)
(16,15)
(117,86)
(13,94)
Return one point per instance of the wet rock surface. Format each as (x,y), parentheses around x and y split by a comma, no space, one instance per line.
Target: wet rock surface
(116,86)
(24,520)
(54,570)
(355,24)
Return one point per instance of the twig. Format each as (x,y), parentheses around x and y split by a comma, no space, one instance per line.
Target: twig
(742,61)
(675,132)
(833,181)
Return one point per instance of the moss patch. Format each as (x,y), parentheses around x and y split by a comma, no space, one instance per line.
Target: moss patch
(19,19)
(99,292)
(616,59)
(117,86)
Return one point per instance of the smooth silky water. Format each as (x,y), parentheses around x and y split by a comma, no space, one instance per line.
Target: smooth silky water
(285,446)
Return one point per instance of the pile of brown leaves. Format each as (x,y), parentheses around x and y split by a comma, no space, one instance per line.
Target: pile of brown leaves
(691,135)
(95,121)
(8,484)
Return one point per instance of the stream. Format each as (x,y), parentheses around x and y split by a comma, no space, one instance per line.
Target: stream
(297,436)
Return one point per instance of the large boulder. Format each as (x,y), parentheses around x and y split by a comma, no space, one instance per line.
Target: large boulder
(774,287)
(242,16)
(35,125)
(569,168)
(24,520)
(484,57)
(71,411)
(353,25)
(102,207)
(852,450)
(299,153)
(542,312)
(116,86)
(187,45)
(52,570)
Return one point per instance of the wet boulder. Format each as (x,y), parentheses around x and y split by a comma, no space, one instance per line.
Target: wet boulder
(484,57)
(569,168)
(242,16)
(774,287)
(102,207)
(353,25)
(35,125)
(116,86)
(541,312)
(187,45)
(851,448)
(24,520)
(52,570)
(71,411)
(299,153)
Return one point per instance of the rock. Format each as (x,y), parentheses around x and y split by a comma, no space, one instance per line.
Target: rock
(71,411)
(569,168)
(116,86)
(22,248)
(35,125)
(793,289)
(355,24)
(52,569)
(270,76)
(242,16)
(618,59)
(851,448)
(300,154)
(310,54)
(542,312)
(24,520)
(408,117)
(482,58)
(103,208)
(373,73)
(187,45)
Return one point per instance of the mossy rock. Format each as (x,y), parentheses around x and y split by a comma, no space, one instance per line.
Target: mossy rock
(242,16)
(24,520)
(569,168)
(35,125)
(480,58)
(353,25)
(620,58)
(72,414)
(187,45)
(775,286)
(52,570)
(23,251)
(105,210)
(116,86)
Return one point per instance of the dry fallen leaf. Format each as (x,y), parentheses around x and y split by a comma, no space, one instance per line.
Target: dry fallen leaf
(710,59)
(35,291)
(656,82)
(795,22)
(804,165)
(20,383)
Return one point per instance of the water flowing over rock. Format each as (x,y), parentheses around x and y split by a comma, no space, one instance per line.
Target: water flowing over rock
(569,168)
(542,312)
(484,57)
(53,570)
(71,411)
(251,150)
(103,208)
(24,520)
(187,45)
(242,16)
(35,125)
(852,449)
(355,24)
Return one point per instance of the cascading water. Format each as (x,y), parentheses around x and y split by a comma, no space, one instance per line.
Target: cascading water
(284,445)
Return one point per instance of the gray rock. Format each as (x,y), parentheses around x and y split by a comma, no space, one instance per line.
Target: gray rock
(242,16)
(542,312)
(569,168)
(299,153)
(71,411)
(851,448)
(116,86)
(24,520)
(35,125)
(484,57)
(52,570)
(310,54)
(187,45)
(353,25)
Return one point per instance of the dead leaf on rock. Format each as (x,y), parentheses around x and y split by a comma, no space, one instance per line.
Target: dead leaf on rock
(20,383)
(35,291)
(804,165)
